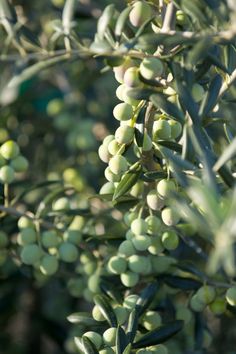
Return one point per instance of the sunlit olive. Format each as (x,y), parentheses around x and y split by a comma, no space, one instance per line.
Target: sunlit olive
(31,254)
(9,150)
(197,92)
(139,226)
(123,111)
(129,279)
(117,265)
(231,296)
(141,242)
(126,248)
(161,130)
(165,187)
(150,68)
(151,320)
(118,164)
(138,264)
(176,128)
(7,174)
(154,202)
(131,77)
(107,188)
(140,13)
(68,252)
(109,336)
(95,338)
(49,265)
(170,216)
(170,240)
(124,134)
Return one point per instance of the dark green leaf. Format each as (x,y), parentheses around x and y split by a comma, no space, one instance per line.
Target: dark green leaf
(160,101)
(128,349)
(213,59)
(128,181)
(199,51)
(176,159)
(139,127)
(110,289)
(146,297)
(210,99)
(187,101)
(172,145)
(121,340)
(227,154)
(29,36)
(121,21)
(89,347)
(103,303)
(177,282)
(159,335)
(140,93)
(132,325)
(154,175)
(105,19)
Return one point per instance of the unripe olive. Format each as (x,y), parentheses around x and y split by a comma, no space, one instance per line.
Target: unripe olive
(110,176)
(7,174)
(197,92)
(76,286)
(19,164)
(147,142)
(3,239)
(176,128)
(123,111)
(159,349)
(24,222)
(2,161)
(86,257)
(49,265)
(129,235)
(206,294)
(130,301)
(126,249)
(73,236)
(119,91)
(121,314)
(156,246)
(161,130)
(138,264)
(107,350)
(140,13)
(165,187)
(218,306)
(95,338)
(89,268)
(139,226)
(103,153)
(124,134)
(151,320)
(137,189)
(170,240)
(49,239)
(118,164)
(126,97)
(117,265)
(141,242)
(129,279)
(184,314)
(107,188)
(154,224)
(151,68)
(55,106)
(68,252)
(108,139)
(197,305)
(94,282)
(31,254)
(154,202)
(26,236)
(161,264)
(129,217)
(114,147)
(181,17)
(109,336)
(231,296)
(88,295)
(131,77)
(97,315)
(169,216)
(120,70)
(61,204)
(9,150)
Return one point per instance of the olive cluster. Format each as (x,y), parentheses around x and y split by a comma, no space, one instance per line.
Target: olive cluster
(11,162)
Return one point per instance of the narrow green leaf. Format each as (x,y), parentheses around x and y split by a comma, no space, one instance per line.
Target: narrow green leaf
(228,154)
(128,349)
(172,145)
(177,159)
(177,282)
(154,175)
(210,99)
(199,52)
(89,347)
(29,36)
(122,21)
(110,290)
(7,11)
(121,340)
(79,344)
(105,20)
(103,303)
(187,101)
(139,127)
(159,335)
(215,61)
(35,69)
(128,181)
(82,318)
(160,101)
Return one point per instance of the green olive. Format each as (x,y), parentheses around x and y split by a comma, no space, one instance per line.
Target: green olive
(19,164)
(76,286)
(161,129)
(231,296)
(165,187)
(103,153)
(117,265)
(154,224)
(139,226)
(150,68)
(49,265)
(31,254)
(97,314)
(123,111)
(151,320)
(110,176)
(95,338)
(218,306)
(9,150)
(154,202)
(129,279)
(196,305)
(140,13)
(131,77)
(206,294)
(73,236)
(107,188)
(141,242)
(49,239)
(26,236)
(7,174)
(118,164)
(124,134)
(68,252)
(198,92)
(121,314)
(109,336)
(61,204)
(156,246)
(176,128)
(170,217)
(130,301)
(170,240)
(138,264)
(3,239)
(126,248)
